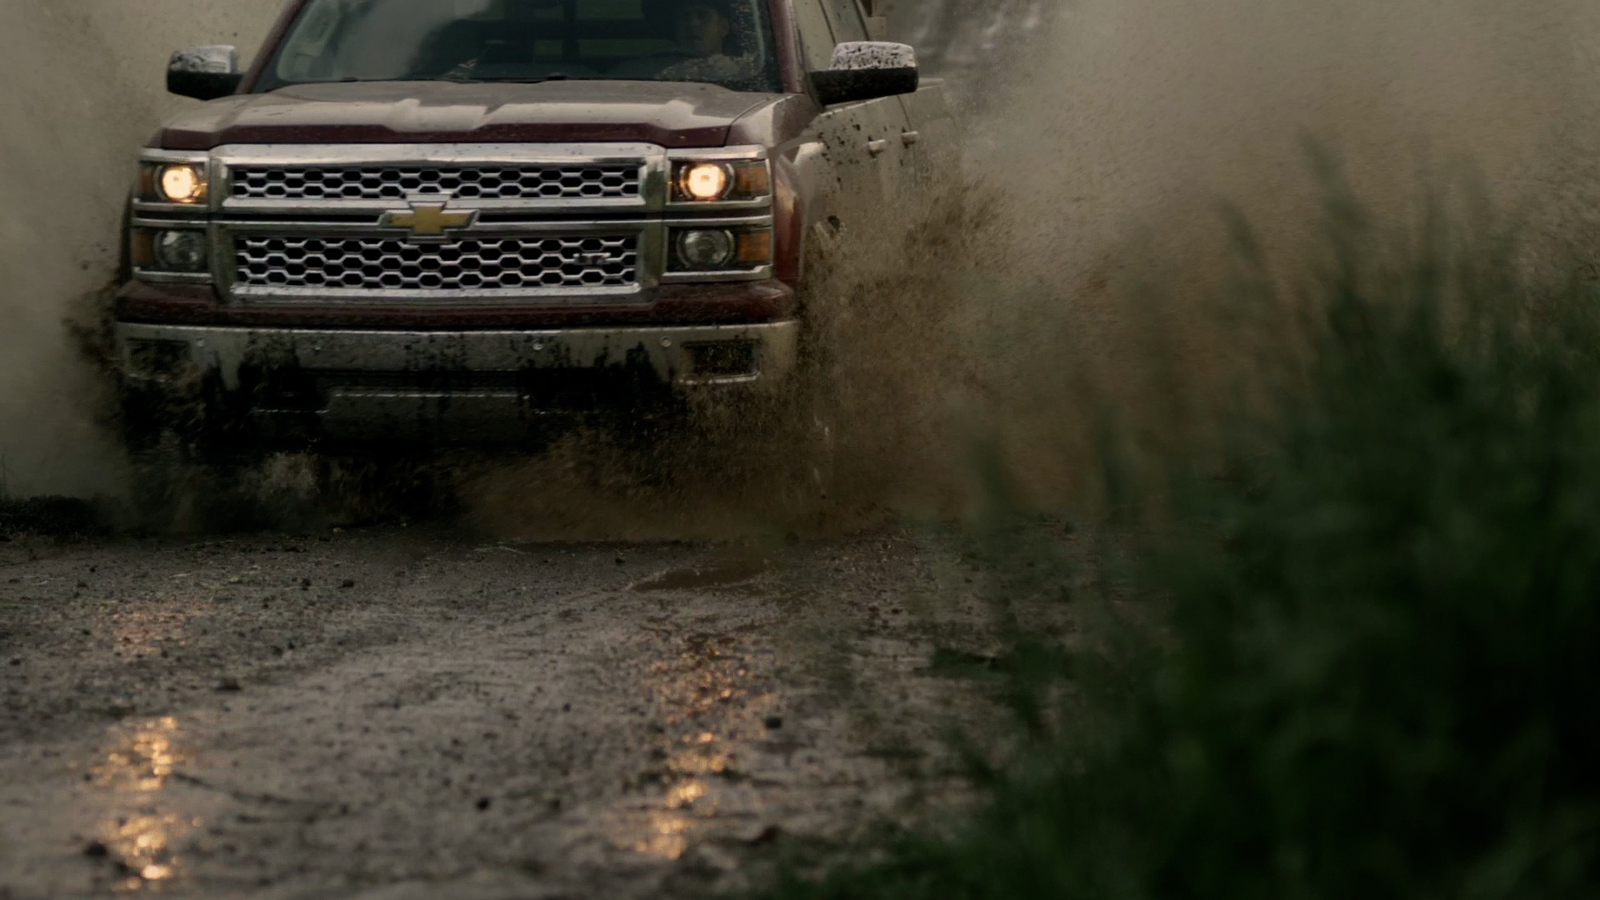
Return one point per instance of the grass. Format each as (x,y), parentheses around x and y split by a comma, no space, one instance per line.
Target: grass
(1377,668)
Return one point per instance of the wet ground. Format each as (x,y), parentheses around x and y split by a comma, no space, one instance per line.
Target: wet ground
(401,712)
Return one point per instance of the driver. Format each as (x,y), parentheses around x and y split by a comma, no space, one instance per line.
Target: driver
(701,29)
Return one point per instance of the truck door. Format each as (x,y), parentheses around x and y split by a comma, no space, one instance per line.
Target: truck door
(931,140)
(862,140)
(898,158)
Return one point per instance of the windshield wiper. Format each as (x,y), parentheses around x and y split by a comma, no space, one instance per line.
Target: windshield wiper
(540,79)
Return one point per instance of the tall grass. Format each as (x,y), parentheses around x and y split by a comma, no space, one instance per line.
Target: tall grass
(1376,668)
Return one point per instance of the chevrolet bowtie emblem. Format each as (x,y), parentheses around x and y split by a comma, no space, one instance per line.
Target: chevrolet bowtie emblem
(428,220)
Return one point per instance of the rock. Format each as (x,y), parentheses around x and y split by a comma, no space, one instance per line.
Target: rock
(347,584)
(765,836)
(96,850)
(483,803)
(774,722)
(228,683)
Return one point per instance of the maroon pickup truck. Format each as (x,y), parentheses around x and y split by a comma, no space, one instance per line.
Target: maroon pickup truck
(464,220)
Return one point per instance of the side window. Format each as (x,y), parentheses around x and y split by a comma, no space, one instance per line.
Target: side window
(848,25)
(816,38)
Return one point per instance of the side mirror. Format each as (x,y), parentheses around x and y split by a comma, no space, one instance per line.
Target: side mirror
(204,73)
(867,70)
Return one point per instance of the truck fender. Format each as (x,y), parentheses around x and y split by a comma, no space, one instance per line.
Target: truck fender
(805,205)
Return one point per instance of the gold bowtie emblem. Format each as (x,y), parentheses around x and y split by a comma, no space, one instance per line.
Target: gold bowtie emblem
(428,220)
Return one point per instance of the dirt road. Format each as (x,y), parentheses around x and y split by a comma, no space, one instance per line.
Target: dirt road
(406,712)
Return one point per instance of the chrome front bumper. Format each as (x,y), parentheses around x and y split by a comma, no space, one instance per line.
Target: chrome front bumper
(425,385)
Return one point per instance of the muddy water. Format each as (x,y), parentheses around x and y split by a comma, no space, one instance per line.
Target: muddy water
(405,713)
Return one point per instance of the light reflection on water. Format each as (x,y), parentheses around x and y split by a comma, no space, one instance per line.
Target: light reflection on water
(667,830)
(704,701)
(668,835)
(135,770)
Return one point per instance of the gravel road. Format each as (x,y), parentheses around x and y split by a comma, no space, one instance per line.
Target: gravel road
(397,712)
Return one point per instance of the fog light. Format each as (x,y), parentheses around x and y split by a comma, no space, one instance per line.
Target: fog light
(183,183)
(705,249)
(157,359)
(181,251)
(722,359)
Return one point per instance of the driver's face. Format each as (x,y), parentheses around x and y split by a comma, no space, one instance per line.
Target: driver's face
(701,29)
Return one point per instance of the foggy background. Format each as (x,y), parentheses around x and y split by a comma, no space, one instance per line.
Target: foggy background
(85,87)
(1108,139)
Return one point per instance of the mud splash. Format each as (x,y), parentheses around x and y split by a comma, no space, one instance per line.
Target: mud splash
(85,88)
(1084,280)
(1077,282)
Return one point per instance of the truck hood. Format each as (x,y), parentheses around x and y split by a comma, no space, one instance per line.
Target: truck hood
(667,113)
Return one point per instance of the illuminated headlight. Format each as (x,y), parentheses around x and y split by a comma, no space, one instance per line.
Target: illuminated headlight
(183,183)
(704,181)
(171,251)
(711,182)
(721,249)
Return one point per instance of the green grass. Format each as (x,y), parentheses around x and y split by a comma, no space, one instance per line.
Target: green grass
(1376,671)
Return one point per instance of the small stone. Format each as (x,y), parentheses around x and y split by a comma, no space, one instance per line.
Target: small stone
(96,850)
(16,662)
(228,684)
(483,803)
(566,707)
(347,584)
(774,722)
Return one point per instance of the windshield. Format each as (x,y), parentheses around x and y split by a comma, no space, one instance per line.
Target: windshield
(723,42)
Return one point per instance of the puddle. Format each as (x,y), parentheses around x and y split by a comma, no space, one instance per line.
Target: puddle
(138,834)
(714,574)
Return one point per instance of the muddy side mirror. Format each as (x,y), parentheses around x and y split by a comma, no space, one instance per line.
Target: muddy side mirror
(204,73)
(867,70)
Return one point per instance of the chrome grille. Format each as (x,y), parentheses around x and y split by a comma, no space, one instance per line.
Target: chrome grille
(480,265)
(512,182)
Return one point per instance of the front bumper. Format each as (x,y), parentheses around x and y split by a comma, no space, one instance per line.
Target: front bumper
(293,384)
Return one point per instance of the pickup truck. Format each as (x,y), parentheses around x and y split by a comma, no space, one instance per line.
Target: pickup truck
(445,221)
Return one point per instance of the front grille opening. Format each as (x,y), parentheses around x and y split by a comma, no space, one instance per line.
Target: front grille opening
(399,182)
(483,265)
(158,359)
(722,359)
(571,390)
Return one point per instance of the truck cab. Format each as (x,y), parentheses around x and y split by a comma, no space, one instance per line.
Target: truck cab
(466,220)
